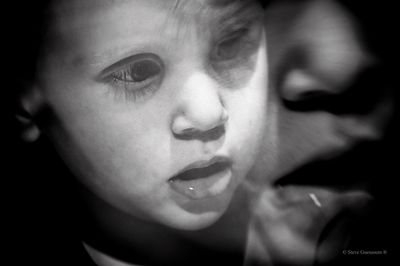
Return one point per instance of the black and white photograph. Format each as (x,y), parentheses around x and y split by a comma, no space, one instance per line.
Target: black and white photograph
(200,132)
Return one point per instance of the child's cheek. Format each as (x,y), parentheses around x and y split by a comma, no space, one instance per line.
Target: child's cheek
(250,117)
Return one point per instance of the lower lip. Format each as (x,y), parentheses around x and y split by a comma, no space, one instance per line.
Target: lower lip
(206,187)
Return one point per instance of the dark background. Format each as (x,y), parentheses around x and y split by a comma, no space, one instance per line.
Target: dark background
(40,213)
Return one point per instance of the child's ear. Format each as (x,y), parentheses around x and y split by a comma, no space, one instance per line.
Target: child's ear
(29,103)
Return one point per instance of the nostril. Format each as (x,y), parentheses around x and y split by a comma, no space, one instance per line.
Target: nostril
(204,125)
(361,94)
(214,133)
(204,136)
(188,132)
(299,85)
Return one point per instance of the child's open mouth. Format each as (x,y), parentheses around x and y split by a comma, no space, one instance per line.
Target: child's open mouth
(203,179)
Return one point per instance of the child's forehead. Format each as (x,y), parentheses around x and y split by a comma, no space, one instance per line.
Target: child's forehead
(103,28)
(220,9)
(146,17)
(176,8)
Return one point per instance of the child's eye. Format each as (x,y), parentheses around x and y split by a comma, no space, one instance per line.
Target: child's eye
(138,76)
(231,46)
(237,46)
(138,71)
(233,57)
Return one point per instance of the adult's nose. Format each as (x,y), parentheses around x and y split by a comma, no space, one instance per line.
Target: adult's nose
(200,107)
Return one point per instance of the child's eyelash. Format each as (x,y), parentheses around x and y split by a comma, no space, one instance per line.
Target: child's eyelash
(237,45)
(122,91)
(136,77)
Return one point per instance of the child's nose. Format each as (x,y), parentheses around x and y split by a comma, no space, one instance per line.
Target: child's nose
(200,106)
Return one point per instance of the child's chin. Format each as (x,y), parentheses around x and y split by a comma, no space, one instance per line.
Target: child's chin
(192,222)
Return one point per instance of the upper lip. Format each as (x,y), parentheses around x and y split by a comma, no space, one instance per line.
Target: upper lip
(221,162)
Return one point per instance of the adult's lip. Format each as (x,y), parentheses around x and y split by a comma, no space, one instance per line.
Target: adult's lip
(203,178)
(312,210)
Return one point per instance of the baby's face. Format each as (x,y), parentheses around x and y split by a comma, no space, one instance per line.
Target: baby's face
(156,107)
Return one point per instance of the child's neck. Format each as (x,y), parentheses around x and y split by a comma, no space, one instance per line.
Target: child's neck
(143,243)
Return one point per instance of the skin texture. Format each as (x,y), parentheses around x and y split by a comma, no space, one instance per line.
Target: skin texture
(123,147)
(125,141)
(317,55)
(316,48)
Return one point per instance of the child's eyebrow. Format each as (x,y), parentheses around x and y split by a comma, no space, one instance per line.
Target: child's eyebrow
(239,8)
(237,14)
(222,12)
